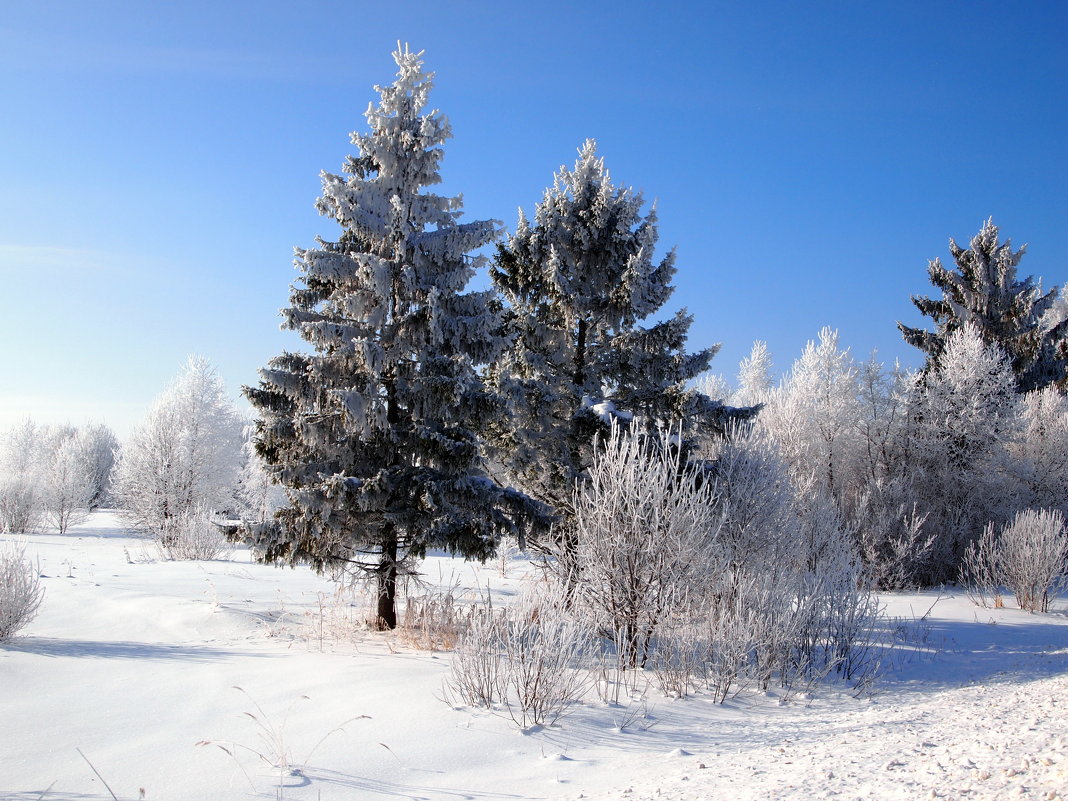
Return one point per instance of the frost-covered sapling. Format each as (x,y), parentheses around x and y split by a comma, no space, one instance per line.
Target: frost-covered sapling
(21,449)
(964,417)
(20,590)
(68,486)
(644,534)
(815,415)
(981,572)
(1040,453)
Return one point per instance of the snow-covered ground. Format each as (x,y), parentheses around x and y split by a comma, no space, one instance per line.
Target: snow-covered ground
(130,672)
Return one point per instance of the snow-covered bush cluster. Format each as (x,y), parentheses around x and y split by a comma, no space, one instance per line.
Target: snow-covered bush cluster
(53,474)
(667,572)
(184,455)
(918,464)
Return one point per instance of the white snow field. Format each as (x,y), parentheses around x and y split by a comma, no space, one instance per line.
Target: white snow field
(124,686)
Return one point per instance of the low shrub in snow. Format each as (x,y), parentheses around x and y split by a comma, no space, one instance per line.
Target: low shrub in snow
(192,535)
(531,659)
(20,590)
(641,542)
(20,505)
(980,569)
(1029,557)
(1034,558)
(433,621)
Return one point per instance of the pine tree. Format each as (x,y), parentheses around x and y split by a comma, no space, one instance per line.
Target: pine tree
(984,292)
(373,435)
(577,282)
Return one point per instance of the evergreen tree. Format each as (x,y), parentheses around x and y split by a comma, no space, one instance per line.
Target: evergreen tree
(577,281)
(373,435)
(984,292)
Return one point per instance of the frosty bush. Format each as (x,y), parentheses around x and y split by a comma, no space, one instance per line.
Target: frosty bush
(20,505)
(1041,451)
(892,534)
(980,569)
(530,658)
(433,621)
(20,590)
(192,535)
(68,485)
(755,494)
(644,527)
(1033,556)
(477,667)
(1030,557)
(186,452)
(964,415)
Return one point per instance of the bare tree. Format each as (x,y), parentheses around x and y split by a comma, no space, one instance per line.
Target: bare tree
(67,485)
(185,453)
(644,535)
(20,590)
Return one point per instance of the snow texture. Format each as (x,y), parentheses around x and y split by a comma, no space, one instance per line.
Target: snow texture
(971,705)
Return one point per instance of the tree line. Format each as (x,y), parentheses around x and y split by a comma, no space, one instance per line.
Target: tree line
(427,416)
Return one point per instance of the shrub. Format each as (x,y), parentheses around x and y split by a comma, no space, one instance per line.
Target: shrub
(1033,550)
(20,507)
(192,535)
(433,621)
(530,658)
(1030,557)
(643,539)
(20,590)
(980,569)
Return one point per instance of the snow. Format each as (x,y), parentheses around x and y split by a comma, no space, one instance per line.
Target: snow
(135,661)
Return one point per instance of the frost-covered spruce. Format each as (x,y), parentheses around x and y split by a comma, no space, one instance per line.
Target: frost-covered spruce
(1013,314)
(578,280)
(373,435)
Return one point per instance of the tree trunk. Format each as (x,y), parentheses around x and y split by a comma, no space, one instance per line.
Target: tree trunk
(386,617)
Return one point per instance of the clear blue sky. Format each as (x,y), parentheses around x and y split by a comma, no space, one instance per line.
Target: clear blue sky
(159,161)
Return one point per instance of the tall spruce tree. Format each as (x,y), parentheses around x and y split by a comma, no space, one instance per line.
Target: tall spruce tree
(372,436)
(577,281)
(984,292)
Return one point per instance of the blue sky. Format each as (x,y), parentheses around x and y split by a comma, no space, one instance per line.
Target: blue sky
(158,162)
